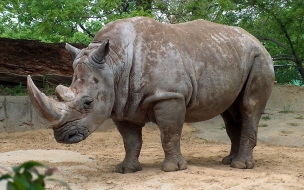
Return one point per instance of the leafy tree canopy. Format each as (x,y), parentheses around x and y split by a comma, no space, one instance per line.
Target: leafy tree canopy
(277,24)
(79,20)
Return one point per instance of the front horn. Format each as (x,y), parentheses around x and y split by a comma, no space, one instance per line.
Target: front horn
(51,109)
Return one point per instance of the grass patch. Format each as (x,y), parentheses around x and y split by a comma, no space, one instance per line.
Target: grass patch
(266,117)
(21,90)
(48,89)
(263,125)
(17,90)
(293,124)
(286,132)
(286,109)
(1,89)
(299,117)
(223,126)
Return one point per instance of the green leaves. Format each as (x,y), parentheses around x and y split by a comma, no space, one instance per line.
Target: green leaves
(27,177)
(278,24)
(58,21)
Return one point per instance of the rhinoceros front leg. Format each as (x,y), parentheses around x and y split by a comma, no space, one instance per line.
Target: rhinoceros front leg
(170,115)
(132,138)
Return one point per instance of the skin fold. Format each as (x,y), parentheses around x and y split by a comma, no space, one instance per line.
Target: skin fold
(138,70)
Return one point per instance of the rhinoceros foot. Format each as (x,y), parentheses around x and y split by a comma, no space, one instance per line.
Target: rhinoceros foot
(128,166)
(174,165)
(243,164)
(227,160)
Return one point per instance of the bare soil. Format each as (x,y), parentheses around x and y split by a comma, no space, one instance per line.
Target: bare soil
(90,164)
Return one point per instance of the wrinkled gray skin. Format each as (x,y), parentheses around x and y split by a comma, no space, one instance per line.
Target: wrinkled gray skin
(138,70)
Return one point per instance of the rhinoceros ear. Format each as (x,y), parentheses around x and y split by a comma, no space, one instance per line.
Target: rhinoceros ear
(98,55)
(72,50)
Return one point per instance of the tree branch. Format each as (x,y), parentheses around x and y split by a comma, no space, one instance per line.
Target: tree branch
(284,59)
(276,42)
(84,29)
(301,30)
(283,55)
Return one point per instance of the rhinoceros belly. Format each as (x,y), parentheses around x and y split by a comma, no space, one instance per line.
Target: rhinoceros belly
(210,108)
(214,97)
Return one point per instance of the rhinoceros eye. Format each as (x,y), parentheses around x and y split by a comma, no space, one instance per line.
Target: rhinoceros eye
(87,102)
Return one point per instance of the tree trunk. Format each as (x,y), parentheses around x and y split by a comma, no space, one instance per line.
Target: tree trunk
(300,67)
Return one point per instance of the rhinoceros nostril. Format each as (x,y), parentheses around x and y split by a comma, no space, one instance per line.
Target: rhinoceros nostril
(75,138)
(87,102)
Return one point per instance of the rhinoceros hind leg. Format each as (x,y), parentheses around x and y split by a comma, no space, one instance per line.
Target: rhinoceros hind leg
(233,123)
(170,115)
(132,138)
(252,102)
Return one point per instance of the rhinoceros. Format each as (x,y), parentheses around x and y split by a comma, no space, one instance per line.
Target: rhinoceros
(138,70)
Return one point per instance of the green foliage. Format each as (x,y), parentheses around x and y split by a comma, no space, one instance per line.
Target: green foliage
(288,74)
(17,90)
(20,90)
(27,177)
(63,21)
(223,126)
(263,125)
(266,117)
(293,124)
(48,89)
(279,25)
(286,109)
(1,88)
(176,11)
(299,117)
(79,21)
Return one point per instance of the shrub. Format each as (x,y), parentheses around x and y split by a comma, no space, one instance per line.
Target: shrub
(27,177)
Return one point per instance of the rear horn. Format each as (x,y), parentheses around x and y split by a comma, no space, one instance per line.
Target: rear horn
(98,55)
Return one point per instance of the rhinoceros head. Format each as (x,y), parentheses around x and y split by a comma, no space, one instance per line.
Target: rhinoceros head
(79,109)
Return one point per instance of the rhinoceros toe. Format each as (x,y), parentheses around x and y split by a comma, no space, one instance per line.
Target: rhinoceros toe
(170,166)
(246,164)
(227,160)
(128,167)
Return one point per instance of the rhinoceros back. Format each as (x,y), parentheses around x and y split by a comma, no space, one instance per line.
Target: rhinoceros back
(206,64)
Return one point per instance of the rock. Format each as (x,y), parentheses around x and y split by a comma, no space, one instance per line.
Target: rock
(19,58)
(18,113)
(2,114)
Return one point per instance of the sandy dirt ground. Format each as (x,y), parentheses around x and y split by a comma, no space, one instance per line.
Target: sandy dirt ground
(90,164)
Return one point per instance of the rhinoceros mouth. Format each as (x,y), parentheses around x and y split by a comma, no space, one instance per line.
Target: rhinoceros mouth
(70,133)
